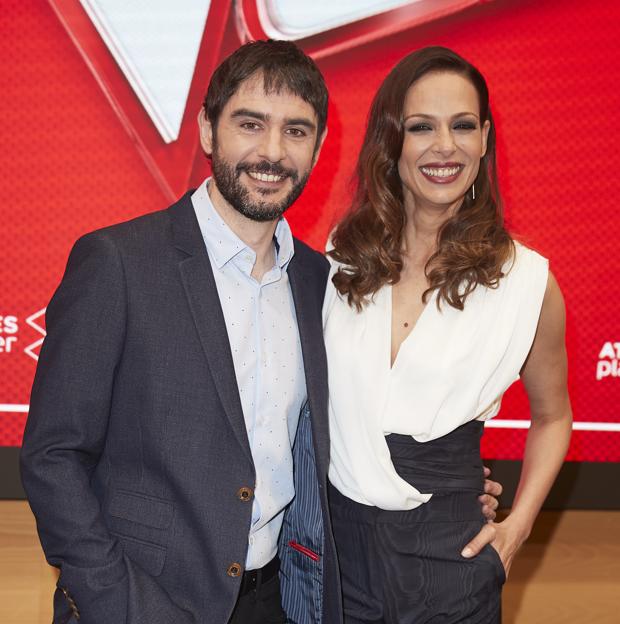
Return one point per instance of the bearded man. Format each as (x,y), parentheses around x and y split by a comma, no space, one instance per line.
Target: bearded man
(180,399)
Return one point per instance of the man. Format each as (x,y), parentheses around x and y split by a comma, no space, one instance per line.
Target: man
(180,400)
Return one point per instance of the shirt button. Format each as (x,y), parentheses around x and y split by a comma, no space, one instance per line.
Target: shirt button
(234,570)
(245,494)
(251,540)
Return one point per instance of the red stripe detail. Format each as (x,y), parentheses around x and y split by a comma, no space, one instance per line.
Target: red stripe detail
(304,551)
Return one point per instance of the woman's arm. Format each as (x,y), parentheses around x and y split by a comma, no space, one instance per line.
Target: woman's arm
(544,377)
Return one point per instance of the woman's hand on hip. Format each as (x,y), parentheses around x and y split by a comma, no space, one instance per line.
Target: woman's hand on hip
(488,500)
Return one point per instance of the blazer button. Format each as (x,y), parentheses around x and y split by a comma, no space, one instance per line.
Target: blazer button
(245,494)
(234,570)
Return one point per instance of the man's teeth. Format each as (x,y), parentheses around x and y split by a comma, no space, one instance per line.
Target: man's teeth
(264,177)
(440,172)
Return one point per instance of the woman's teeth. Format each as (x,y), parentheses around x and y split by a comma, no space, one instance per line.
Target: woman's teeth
(440,172)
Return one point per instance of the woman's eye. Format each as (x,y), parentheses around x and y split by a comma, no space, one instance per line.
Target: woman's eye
(420,127)
(465,125)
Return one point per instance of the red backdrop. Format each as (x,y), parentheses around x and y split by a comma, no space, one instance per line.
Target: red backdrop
(78,153)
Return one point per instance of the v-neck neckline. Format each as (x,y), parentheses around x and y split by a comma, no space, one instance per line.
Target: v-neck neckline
(413,330)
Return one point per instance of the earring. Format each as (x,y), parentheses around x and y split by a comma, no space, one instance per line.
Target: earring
(473,191)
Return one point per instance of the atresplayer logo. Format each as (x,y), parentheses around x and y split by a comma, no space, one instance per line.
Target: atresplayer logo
(8,328)
(608,361)
(10,333)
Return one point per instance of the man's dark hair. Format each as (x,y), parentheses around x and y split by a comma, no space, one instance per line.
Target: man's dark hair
(284,67)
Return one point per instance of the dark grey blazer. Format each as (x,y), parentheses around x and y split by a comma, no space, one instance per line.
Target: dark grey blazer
(135,448)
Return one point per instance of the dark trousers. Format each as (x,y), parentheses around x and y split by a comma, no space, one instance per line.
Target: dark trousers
(259,601)
(405,567)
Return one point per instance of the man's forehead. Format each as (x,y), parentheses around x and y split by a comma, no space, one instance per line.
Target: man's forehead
(253,90)
(261,83)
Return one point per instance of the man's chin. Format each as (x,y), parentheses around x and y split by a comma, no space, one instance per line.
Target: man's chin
(262,205)
(261,213)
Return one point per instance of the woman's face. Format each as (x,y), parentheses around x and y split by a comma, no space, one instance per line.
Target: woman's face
(444,141)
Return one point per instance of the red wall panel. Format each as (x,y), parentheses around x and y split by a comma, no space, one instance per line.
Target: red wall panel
(70,162)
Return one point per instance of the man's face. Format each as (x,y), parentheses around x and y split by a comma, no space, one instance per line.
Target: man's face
(263,149)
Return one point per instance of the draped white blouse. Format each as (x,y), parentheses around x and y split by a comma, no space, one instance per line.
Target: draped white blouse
(452,368)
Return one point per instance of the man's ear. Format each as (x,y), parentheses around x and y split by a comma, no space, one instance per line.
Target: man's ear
(319,145)
(206,132)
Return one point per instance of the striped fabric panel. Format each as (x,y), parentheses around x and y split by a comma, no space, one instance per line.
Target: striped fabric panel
(301,577)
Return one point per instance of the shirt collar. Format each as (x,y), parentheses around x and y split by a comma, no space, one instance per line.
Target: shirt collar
(223,244)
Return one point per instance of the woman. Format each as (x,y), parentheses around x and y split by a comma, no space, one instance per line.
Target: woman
(432,311)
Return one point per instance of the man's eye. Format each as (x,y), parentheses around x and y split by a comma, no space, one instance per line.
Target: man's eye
(249,125)
(296,132)
(419,127)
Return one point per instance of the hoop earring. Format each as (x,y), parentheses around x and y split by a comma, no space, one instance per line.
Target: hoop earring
(473,191)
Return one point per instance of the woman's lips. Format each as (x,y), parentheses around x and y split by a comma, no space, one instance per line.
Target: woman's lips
(441,173)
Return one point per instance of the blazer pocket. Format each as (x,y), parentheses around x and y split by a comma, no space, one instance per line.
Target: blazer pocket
(150,557)
(142,509)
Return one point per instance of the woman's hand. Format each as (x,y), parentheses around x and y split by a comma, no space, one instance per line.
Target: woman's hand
(492,489)
(506,537)
(508,540)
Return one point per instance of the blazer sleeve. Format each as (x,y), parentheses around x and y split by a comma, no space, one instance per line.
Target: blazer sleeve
(65,435)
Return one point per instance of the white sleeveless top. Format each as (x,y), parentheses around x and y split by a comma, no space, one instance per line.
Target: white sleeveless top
(452,368)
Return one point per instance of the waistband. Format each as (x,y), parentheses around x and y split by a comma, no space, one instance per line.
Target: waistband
(443,507)
(253,579)
(451,463)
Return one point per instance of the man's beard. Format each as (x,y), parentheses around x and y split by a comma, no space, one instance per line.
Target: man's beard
(226,178)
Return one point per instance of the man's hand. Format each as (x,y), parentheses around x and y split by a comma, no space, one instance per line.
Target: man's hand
(489,501)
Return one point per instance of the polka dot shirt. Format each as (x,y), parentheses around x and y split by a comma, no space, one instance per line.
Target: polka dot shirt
(266,350)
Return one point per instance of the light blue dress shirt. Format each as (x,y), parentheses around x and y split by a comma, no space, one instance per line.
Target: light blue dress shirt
(264,340)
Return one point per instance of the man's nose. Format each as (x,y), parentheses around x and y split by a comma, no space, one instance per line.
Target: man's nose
(272,146)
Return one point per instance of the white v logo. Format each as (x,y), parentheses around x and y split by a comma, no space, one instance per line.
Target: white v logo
(155,43)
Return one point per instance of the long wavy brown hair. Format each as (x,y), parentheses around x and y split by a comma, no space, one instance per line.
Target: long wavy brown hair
(472,246)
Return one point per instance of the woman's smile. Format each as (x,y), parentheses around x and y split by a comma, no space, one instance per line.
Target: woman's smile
(441,173)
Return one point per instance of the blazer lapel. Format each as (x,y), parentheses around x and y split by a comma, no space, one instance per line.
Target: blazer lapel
(308,312)
(201,292)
